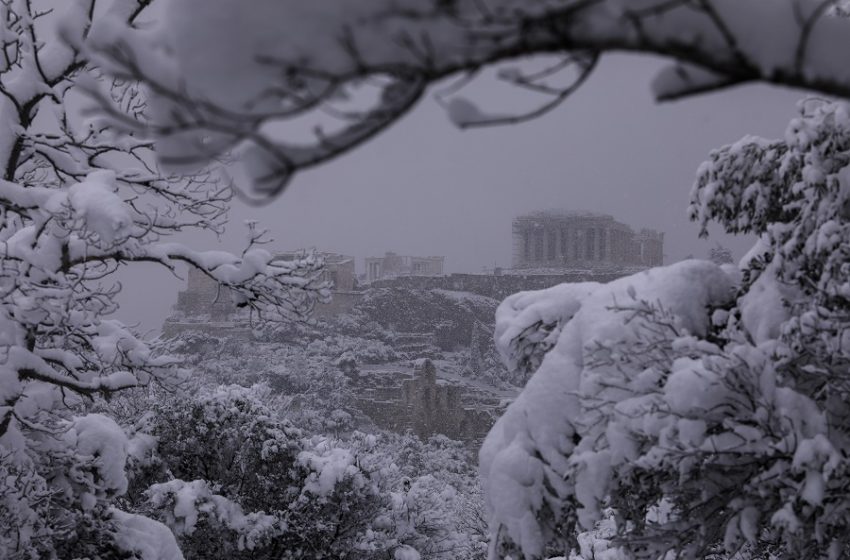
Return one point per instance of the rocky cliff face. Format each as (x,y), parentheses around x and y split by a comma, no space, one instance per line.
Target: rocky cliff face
(416,360)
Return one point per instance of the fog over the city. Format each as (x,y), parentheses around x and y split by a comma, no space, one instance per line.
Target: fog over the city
(427,188)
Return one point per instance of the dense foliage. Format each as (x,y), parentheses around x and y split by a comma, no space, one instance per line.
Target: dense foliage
(231,475)
(708,407)
(77,204)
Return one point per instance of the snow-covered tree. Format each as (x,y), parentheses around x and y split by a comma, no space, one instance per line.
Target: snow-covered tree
(77,204)
(218,71)
(705,405)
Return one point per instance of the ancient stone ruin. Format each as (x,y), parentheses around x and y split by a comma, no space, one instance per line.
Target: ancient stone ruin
(207,307)
(581,240)
(392,265)
(430,314)
(424,404)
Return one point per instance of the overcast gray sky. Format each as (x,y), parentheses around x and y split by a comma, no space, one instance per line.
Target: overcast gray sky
(426,188)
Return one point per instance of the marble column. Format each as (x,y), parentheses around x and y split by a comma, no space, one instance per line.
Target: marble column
(565,244)
(603,243)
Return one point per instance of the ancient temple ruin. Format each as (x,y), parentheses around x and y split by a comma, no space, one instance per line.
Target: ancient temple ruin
(338,272)
(570,240)
(392,265)
(207,306)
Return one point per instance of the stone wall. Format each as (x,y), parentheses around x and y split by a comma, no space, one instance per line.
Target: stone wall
(494,285)
(427,406)
(205,298)
(341,302)
(339,271)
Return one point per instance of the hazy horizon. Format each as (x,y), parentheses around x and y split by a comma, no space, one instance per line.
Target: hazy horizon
(425,187)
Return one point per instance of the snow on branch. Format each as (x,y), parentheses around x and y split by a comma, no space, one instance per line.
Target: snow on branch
(701,408)
(528,323)
(284,61)
(78,202)
(547,464)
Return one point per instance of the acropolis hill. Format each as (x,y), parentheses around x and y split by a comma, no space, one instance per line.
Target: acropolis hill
(408,304)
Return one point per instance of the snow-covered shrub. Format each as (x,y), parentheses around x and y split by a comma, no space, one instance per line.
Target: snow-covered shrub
(707,449)
(795,194)
(59,503)
(528,323)
(223,435)
(232,477)
(705,405)
(365,351)
(312,391)
(315,395)
(194,343)
(436,504)
(290,332)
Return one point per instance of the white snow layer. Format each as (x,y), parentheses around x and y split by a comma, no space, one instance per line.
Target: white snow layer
(530,446)
(405,552)
(96,202)
(329,466)
(97,439)
(191,500)
(148,539)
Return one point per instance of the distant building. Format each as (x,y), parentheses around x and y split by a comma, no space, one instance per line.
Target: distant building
(582,240)
(392,265)
(339,269)
(203,298)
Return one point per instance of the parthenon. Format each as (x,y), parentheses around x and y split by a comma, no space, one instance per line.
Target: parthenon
(564,239)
